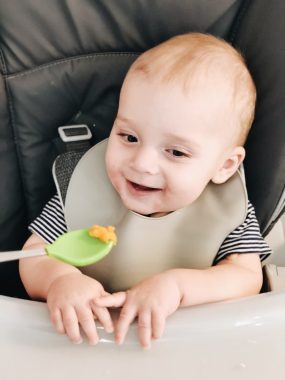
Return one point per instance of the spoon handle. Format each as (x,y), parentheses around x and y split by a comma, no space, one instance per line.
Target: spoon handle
(15,255)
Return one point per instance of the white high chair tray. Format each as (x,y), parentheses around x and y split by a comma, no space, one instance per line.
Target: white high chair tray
(242,339)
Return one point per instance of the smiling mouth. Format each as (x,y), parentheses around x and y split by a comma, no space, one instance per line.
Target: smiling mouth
(142,188)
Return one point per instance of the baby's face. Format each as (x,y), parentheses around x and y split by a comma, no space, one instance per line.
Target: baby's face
(165,145)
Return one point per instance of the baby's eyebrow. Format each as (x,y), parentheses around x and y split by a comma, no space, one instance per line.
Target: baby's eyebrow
(124,119)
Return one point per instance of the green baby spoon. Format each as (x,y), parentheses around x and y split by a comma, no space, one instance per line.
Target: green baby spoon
(77,248)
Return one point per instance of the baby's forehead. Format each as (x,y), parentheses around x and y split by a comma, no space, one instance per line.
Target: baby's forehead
(208,94)
(201,105)
(196,79)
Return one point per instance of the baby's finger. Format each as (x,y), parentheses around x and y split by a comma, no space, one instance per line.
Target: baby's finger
(87,323)
(70,323)
(144,329)
(56,319)
(158,325)
(103,315)
(111,300)
(127,315)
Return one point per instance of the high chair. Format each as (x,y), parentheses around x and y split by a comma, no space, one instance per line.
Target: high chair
(63,64)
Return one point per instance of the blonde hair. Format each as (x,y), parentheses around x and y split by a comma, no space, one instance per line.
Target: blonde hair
(180,58)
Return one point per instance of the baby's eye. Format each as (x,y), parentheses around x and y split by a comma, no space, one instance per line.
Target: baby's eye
(177,153)
(131,138)
(128,138)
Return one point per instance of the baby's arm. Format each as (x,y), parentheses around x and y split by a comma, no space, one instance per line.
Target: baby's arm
(238,275)
(67,291)
(155,298)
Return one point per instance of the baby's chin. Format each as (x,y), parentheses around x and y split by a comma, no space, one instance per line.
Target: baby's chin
(141,209)
(152,214)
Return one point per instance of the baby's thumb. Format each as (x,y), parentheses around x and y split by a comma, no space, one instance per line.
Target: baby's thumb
(111,300)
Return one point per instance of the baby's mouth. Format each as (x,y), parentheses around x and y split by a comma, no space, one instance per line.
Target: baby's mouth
(142,188)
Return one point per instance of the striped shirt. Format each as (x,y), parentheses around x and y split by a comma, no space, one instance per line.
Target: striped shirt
(246,238)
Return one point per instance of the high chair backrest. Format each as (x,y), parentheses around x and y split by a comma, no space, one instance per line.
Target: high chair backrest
(63,62)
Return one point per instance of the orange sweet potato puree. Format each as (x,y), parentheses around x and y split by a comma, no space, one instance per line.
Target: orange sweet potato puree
(106,234)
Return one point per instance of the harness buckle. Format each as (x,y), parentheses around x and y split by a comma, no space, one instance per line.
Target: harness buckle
(75,137)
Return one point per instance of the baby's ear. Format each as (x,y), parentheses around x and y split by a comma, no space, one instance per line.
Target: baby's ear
(230,165)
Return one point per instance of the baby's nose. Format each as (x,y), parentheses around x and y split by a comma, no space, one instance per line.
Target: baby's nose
(145,161)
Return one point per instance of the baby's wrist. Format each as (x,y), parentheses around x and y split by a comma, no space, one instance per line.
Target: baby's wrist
(59,277)
(175,276)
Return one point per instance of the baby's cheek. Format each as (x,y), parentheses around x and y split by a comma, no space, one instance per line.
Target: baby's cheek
(111,165)
(112,177)
(115,178)
(184,194)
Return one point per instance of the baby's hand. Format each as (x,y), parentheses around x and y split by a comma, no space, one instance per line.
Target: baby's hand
(70,305)
(152,301)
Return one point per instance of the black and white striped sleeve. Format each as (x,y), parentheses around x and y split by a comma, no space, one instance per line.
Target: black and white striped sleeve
(246,238)
(50,224)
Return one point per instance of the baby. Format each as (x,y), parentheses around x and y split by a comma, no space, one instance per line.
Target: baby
(185,110)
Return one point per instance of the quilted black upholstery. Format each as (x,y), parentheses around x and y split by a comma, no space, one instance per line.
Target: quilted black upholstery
(63,62)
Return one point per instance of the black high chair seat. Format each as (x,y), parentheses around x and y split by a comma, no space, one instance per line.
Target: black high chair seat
(63,62)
